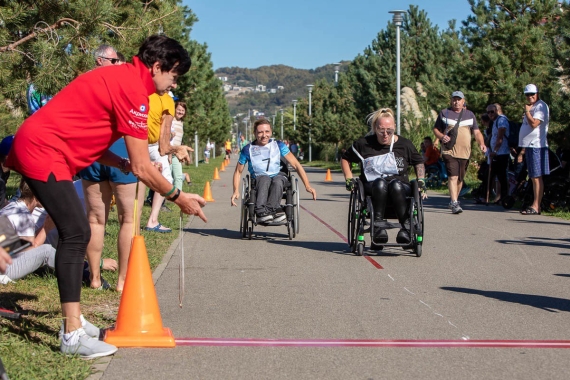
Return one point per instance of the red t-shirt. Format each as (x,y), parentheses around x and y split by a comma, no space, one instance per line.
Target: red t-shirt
(432,155)
(82,121)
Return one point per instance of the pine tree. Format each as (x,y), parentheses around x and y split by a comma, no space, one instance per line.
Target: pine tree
(50,42)
(509,46)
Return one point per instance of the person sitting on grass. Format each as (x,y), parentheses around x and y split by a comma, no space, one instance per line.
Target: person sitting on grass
(264,159)
(39,254)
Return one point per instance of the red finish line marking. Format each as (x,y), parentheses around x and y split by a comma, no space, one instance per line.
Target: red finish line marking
(370,259)
(235,342)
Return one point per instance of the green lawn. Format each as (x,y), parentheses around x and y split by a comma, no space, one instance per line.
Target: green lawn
(29,348)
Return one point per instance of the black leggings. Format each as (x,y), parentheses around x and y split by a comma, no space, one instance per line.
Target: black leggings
(396,191)
(63,205)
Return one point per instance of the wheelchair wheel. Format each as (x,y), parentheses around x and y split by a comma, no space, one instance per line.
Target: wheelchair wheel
(417,220)
(243,219)
(359,249)
(296,205)
(356,220)
(508,202)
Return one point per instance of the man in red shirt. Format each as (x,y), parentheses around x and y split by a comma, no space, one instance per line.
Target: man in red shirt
(75,129)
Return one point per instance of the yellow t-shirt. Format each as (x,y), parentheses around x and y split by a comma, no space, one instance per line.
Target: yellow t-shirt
(228,145)
(158,106)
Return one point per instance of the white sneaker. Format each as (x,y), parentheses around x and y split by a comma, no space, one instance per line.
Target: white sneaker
(79,343)
(279,216)
(264,218)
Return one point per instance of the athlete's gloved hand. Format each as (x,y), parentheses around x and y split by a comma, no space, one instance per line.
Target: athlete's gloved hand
(422,187)
(350,182)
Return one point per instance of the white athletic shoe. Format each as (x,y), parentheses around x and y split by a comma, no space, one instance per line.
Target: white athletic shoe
(79,343)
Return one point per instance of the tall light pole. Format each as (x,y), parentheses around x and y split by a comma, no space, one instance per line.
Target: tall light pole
(295,114)
(310,86)
(273,123)
(281,110)
(336,70)
(398,18)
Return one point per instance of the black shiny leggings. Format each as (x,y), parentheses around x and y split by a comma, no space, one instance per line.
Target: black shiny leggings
(395,191)
(62,203)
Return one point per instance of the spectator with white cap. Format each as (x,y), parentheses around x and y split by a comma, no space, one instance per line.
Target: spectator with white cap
(532,140)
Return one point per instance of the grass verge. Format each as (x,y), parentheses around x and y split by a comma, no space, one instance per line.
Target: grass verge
(29,348)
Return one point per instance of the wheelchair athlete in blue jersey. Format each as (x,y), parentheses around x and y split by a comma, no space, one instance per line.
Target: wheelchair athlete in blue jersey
(264,164)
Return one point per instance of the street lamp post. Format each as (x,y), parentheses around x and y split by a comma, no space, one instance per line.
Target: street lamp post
(273,123)
(281,110)
(398,18)
(336,70)
(310,86)
(295,114)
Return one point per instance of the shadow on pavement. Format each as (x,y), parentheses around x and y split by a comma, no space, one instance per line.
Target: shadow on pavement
(551,304)
(333,247)
(538,242)
(562,274)
(534,221)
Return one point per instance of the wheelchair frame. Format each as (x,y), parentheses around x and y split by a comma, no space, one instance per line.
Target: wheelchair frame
(248,218)
(361,208)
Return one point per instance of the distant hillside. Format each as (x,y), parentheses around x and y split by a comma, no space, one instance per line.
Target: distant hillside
(294,83)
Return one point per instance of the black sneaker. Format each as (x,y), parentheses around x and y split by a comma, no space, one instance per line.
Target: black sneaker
(403,236)
(380,236)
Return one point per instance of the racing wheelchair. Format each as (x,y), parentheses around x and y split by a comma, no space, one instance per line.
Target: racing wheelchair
(291,207)
(360,220)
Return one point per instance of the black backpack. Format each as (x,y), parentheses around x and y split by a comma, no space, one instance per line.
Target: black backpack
(513,137)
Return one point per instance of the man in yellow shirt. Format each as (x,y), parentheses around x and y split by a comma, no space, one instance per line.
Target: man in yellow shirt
(228,147)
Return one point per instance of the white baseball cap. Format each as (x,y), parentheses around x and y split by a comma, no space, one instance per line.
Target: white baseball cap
(530,88)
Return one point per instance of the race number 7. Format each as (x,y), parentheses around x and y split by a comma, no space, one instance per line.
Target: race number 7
(267,159)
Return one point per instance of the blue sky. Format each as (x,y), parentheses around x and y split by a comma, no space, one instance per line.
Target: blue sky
(303,34)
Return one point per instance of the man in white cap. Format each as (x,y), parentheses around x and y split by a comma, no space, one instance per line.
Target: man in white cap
(532,139)
(453,128)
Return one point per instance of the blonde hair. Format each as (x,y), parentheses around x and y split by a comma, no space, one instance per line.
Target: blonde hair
(374,118)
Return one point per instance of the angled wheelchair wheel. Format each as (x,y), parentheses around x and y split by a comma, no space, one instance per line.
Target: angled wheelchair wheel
(297,204)
(244,210)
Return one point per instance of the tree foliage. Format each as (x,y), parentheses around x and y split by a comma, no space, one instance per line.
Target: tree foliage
(50,42)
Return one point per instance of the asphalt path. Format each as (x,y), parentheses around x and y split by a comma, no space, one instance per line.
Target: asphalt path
(307,308)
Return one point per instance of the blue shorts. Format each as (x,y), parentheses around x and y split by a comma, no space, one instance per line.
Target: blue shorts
(537,162)
(99,173)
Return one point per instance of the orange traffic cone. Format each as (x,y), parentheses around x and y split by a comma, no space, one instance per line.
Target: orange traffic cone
(208,193)
(216,174)
(328,178)
(139,323)
(223,167)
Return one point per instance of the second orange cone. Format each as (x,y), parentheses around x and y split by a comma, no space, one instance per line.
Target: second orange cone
(208,193)
(328,178)
(216,174)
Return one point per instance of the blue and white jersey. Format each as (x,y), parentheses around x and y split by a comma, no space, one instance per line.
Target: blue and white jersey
(263,160)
